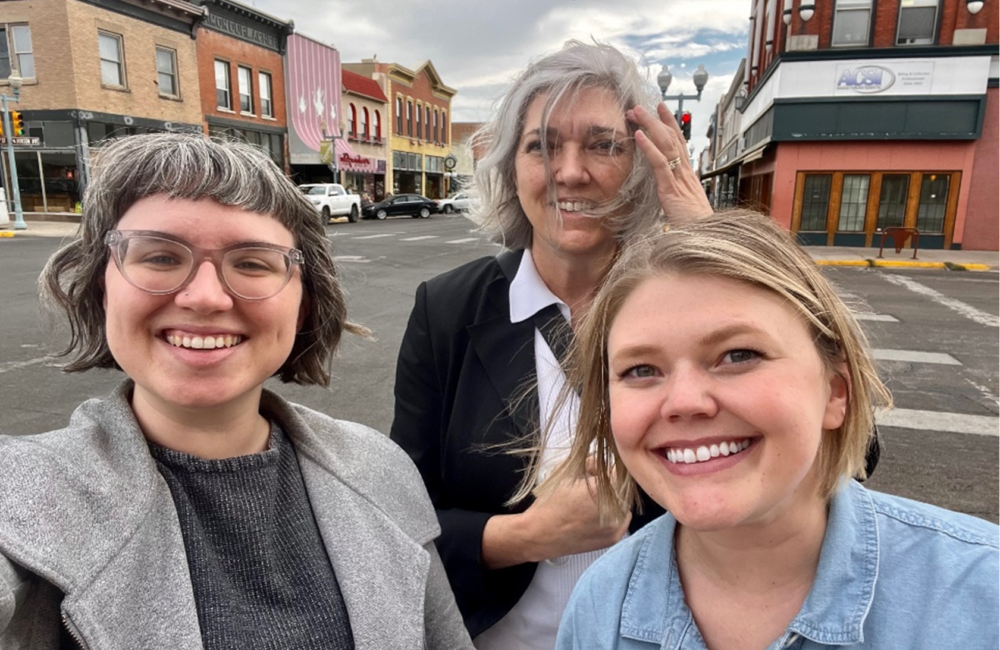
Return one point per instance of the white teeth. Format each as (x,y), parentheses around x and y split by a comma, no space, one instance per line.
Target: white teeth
(204,342)
(575,206)
(706,453)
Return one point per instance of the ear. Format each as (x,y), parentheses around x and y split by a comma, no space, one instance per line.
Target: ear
(840,396)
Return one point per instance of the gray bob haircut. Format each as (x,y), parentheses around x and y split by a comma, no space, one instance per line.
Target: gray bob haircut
(562,76)
(192,167)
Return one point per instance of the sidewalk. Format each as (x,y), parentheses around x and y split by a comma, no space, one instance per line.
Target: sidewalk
(824,255)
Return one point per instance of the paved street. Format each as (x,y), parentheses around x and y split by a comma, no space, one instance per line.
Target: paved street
(934,332)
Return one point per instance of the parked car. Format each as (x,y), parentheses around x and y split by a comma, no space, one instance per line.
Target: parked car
(332,200)
(459,202)
(411,204)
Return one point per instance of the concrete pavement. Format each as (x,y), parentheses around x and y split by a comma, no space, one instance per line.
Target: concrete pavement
(824,255)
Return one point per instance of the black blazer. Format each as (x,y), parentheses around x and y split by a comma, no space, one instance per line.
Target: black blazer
(462,387)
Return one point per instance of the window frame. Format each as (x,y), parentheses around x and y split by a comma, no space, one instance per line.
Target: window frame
(16,59)
(240,70)
(409,118)
(119,41)
(841,7)
(916,4)
(378,126)
(228,106)
(266,101)
(352,121)
(363,131)
(420,131)
(175,77)
(399,115)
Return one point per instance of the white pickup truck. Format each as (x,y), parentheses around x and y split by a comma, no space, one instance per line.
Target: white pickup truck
(332,200)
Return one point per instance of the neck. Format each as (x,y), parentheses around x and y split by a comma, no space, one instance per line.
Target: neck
(213,433)
(574,280)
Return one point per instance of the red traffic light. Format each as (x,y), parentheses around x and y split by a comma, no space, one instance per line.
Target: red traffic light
(685,118)
(686,125)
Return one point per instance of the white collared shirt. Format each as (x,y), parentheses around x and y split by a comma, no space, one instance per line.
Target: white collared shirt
(533,622)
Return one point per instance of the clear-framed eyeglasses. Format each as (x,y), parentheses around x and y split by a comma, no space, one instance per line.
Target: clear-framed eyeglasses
(160,263)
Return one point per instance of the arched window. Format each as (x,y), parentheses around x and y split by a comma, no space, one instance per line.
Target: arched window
(420,132)
(352,126)
(363,132)
(378,125)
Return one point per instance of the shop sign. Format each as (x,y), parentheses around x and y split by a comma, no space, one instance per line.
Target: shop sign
(22,140)
(354,160)
(241,31)
(870,79)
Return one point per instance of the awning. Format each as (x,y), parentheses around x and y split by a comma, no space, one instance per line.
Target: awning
(750,156)
(349,160)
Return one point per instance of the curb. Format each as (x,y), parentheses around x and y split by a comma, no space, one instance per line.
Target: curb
(876,263)
(6,233)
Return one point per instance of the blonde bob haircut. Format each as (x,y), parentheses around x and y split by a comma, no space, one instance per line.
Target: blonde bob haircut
(747,248)
(193,167)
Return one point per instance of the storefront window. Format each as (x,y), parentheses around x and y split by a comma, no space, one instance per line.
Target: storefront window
(933,202)
(815,201)
(853,203)
(892,200)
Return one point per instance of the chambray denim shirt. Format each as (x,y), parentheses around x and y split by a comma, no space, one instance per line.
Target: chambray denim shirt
(893,573)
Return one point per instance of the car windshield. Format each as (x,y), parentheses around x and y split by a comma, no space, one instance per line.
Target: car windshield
(317,189)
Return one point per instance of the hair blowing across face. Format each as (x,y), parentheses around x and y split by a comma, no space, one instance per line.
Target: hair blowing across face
(192,167)
(743,247)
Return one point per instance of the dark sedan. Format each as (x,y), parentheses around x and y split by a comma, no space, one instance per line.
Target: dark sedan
(411,204)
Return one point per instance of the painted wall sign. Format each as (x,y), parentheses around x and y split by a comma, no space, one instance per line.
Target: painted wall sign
(240,30)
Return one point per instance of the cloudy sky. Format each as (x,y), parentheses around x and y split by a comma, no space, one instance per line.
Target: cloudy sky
(477,46)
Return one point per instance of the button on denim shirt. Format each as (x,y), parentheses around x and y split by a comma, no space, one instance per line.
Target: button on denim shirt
(893,573)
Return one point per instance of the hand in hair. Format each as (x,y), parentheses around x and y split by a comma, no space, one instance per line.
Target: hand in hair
(564,521)
(661,140)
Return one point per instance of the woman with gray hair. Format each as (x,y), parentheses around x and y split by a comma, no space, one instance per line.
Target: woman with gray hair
(580,160)
(192,508)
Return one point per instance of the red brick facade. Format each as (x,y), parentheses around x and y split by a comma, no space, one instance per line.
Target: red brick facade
(214,46)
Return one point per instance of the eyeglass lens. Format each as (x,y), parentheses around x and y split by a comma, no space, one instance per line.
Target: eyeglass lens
(162,266)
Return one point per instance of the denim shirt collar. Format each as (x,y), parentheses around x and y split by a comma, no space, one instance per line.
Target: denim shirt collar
(834,611)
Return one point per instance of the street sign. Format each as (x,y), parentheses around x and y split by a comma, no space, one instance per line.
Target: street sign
(22,140)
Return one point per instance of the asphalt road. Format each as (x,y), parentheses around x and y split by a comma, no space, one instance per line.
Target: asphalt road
(935,333)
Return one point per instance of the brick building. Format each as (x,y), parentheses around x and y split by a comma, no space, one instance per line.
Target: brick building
(420,118)
(93,70)
(858,115)
(465,155)
(241,70)
(366,112)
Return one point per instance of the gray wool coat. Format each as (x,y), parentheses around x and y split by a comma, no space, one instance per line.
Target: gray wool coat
(90,542)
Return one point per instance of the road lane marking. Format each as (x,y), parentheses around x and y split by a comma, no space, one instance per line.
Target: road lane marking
(391,234)
(988,394)
(980,425)
(350,258)
(913,356)
(17,365)
(419,238)
(885,318)
(957,306)
(462,241)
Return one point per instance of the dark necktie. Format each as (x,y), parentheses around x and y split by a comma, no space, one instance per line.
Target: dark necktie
(555,330)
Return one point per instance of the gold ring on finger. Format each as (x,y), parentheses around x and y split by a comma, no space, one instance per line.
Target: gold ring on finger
(674,163)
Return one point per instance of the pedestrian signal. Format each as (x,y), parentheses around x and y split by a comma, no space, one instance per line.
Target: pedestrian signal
(686,125)
(16,123)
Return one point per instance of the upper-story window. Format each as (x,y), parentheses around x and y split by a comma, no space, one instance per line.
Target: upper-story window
(245,77)
(420,132)
(363,129)
(917,20)
(409,118)
(851,23)
(444,127)
(166,71)
(399,115)
(377,125)
(266,103)
(436,138)
(223,96)
(112,59)
(15,51)
(352,123)
(427,120)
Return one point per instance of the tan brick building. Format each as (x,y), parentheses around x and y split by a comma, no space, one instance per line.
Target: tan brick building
(93,70)
(240,66)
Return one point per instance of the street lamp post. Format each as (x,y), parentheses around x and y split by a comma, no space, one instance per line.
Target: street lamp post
(15,84)
(663,80)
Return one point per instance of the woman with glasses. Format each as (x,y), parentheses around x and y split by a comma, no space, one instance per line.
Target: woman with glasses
(192,508)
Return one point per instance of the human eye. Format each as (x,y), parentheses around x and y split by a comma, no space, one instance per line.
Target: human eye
(608,146)
(155,254)
(638,371)
(741,356)
(256,261)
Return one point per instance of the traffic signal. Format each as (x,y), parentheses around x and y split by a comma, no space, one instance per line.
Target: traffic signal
(686,125)
(16,123)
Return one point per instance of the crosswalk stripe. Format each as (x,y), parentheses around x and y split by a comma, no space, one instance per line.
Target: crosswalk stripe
(913,356)
(391,234)
(419,238)
(957,306)
(980,425)
(462,241)
(885,318)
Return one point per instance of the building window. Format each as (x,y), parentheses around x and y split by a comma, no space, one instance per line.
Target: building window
(933,202)
(853,203)
(377,124)
(166,71)
(399,116)
(364,123)
(222,85)
(892,200)
(917,19)
(409,119)
(352,124)
(420,132)
(851,22)
(427,120)
(444,128)
(815,202)
(15,51)
(245,75)
(436,138)
(264,82)
(112,61)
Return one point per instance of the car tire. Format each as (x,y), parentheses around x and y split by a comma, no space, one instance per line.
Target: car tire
(381,214)
(326,214)
(424,213)
(353,217)
(448,209)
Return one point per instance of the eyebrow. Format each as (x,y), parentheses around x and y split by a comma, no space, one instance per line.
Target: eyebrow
(712,338)
(592,131)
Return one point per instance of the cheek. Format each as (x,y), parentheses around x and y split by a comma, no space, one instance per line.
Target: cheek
(628,417)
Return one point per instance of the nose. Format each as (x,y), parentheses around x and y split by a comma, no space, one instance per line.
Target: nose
(569,167)
(205,292)
(688,395)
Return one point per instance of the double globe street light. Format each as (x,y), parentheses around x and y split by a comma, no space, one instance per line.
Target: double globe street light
(700,78)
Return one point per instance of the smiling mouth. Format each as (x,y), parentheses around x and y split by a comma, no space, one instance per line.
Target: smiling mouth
(704,453)
(204,342)
(575,206)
